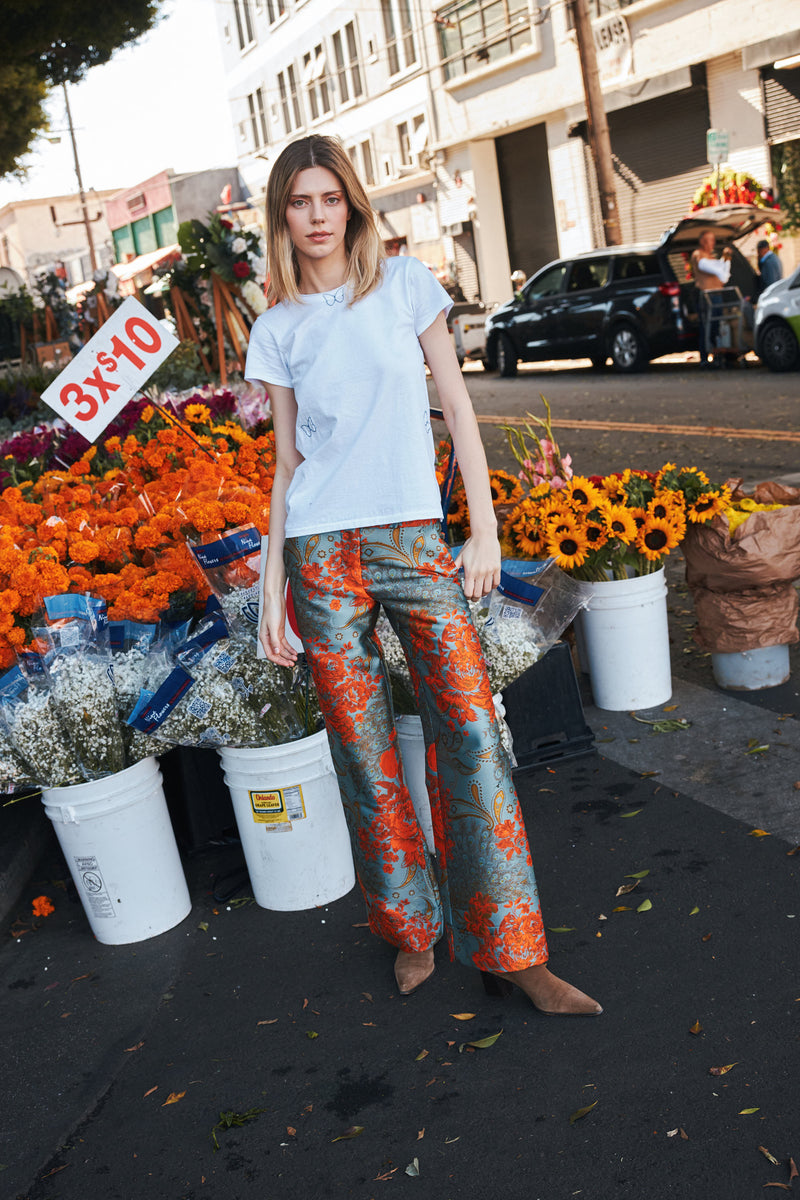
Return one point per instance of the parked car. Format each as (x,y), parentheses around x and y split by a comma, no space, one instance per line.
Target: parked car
(627,303)
(467,324)
(777,325)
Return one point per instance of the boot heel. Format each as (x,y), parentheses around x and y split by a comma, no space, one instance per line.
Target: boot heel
(495,985)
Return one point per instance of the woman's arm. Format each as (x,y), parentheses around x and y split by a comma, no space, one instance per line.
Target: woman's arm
(480,555)
(272,630)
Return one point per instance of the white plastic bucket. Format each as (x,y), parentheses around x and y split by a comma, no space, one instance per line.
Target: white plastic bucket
(411,745)
(626,639)
(749,670)
(291,822)
(117,838)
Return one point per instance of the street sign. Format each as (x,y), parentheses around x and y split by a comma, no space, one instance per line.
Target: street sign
(110,369)
(718,146)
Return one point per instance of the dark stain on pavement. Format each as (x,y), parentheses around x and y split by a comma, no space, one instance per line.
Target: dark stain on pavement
(354,1095)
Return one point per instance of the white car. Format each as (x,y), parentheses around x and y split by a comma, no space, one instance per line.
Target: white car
(776,331)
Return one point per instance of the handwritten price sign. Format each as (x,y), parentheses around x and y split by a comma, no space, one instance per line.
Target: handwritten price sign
(110,369)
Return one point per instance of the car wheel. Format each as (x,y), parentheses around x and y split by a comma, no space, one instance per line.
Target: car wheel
(780,350)
(490,361)
(506,356)
(627,349)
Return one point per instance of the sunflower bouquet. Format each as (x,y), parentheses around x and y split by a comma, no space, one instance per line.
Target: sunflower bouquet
(615,526)
(601,527)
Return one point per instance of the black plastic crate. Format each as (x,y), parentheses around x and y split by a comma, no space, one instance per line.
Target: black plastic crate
(198,799)
(544,711)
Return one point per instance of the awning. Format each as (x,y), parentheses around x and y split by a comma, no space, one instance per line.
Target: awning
(144,262)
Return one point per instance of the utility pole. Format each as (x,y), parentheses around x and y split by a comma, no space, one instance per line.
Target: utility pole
(86,222)
(599,140)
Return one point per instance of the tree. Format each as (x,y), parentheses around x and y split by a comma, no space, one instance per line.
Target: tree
(22,114)
(49,42)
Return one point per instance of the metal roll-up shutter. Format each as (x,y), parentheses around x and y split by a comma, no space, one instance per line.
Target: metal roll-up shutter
(782,103)
(659,154)
(524,169)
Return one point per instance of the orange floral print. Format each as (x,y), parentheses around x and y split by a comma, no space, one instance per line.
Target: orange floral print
(484,898)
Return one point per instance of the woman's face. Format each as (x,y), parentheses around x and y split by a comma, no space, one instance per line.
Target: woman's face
(317,214)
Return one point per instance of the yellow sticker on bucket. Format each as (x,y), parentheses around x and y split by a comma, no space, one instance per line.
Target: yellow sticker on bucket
(279,806)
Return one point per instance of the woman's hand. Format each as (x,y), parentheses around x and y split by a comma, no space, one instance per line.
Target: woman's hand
(480,559)
(272,631)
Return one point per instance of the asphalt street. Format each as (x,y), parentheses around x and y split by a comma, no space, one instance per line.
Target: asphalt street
(282,1035)
(672,395)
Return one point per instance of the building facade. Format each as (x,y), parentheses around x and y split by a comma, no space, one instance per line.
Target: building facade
(467,119)
(39,236)
(145,218)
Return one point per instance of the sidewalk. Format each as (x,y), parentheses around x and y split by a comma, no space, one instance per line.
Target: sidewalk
(218,1013)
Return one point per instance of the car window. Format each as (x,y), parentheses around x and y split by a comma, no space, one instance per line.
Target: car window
(585,274)
(635,266)
(549,283)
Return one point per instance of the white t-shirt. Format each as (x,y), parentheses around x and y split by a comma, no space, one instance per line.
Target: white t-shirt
(363,414)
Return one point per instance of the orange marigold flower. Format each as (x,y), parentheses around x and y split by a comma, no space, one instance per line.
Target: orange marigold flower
(83,550)
(43,906)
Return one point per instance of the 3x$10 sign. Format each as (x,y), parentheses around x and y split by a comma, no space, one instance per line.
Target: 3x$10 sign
(111,368)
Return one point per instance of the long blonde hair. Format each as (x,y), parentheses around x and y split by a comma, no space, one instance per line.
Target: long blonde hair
(363,243)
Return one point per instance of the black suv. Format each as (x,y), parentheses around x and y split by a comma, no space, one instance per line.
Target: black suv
(627,303)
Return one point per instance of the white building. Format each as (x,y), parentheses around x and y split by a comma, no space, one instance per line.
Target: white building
(37,236)
(467,119)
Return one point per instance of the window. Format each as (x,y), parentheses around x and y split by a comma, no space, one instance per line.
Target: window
(316,83)
(636,266)
(549,283)
(244,23)
(275,10)
(412,136)
(399,31)
(368,163)
(587,275)
(258,118)
(290,100)
(348,70)
(473,33)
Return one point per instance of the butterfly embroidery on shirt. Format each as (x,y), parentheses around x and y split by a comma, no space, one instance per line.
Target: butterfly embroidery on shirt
(308,427)
(336,297)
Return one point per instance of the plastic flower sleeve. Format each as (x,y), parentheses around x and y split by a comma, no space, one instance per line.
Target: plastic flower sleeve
(231,564)
(527,614)
(33,724)
(14,771)
(200,708)
(79,669)
(286,709)
(130,643)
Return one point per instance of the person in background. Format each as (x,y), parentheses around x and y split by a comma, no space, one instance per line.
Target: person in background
(710,275)
(769,265)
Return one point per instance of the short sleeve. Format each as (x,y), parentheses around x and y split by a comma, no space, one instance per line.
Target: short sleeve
(428,297)
(265,363)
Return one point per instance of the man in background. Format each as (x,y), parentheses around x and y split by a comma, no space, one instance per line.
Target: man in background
(710,275)
(769,265)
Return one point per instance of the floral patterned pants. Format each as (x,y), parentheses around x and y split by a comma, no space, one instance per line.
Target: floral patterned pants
(486,894)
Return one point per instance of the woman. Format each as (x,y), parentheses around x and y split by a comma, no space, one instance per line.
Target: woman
(354,520)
